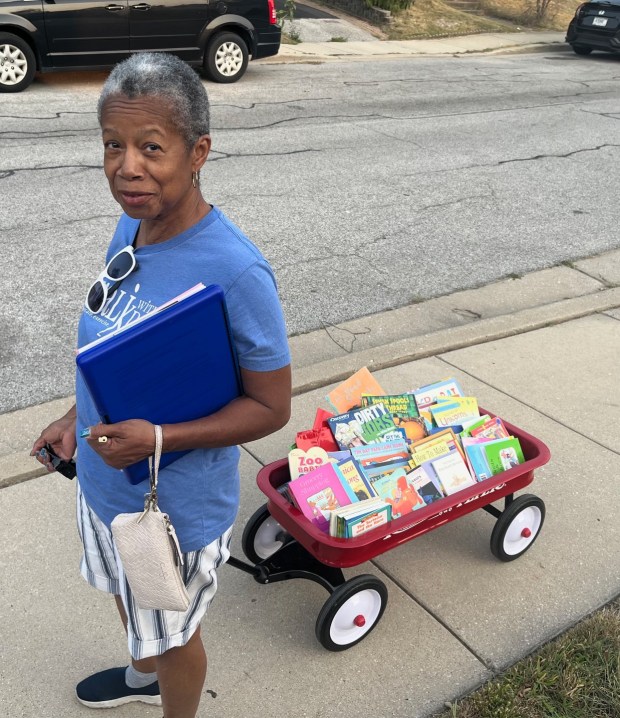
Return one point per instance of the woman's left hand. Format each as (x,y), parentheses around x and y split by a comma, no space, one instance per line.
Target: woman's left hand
(122,444)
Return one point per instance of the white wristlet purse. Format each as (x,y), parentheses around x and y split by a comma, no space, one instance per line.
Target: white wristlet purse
(149,549)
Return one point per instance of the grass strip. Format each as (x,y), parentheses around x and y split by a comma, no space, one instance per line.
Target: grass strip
(575,676)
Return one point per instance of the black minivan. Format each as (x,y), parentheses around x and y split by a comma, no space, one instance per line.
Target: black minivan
(219,36)
(596,26)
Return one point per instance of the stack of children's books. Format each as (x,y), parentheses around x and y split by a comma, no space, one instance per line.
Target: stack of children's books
(378,456)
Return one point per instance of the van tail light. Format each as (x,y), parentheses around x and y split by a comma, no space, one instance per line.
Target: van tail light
(273,18)
(580,9)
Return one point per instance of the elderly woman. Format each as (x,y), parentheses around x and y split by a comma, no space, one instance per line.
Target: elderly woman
(154,117)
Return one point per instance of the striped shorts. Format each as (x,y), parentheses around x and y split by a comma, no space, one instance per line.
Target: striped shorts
(149,632)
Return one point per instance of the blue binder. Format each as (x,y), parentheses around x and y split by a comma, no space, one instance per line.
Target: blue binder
(177,364)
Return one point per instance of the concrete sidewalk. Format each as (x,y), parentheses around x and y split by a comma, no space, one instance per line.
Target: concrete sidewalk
(541,351)
(530,41)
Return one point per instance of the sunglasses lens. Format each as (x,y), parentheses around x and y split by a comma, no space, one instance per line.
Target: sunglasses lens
(95,297)
(120,266)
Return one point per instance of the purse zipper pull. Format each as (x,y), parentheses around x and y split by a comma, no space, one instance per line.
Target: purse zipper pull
(174,541)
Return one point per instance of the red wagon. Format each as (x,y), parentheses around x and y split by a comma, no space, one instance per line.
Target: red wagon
(282,543)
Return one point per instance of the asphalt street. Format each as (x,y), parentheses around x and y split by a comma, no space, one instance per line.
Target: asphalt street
(368,185)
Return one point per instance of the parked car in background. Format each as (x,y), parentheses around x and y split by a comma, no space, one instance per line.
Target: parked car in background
(219,36)
(596,26)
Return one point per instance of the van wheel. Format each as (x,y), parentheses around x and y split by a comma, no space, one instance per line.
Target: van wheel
(17,63)
(226,58)
(581,50)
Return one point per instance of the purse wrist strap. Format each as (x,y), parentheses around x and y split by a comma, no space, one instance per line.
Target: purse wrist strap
(150,499)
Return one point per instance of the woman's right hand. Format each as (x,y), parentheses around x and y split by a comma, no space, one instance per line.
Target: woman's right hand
(60,435)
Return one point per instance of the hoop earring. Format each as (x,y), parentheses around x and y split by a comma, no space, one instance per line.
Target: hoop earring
(195,179)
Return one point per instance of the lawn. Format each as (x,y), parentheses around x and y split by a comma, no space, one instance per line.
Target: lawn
(522,11)
(575,676)
(434,18)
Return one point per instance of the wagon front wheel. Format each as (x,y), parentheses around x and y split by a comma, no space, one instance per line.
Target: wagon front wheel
(262,536)
(351,612)
(518,527)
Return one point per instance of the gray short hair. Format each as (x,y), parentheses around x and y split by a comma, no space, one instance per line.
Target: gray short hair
(158,74)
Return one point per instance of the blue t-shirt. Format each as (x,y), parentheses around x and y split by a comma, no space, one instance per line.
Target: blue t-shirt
(200,490)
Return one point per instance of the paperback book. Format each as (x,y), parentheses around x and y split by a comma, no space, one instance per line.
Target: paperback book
(452,472)
(503,454)
(378,459)
(318,493)
(435,445)
(426,484)
(363,426)
(348,394)
(396,490)
(428,395)
(477,458)
(357,519)
(355,483)
(404,412)
(491,428)
(453,412)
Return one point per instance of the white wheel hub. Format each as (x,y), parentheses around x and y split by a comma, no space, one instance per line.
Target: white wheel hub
(266,541)
(13,65)
(522,531)
(228,59)
(355,617)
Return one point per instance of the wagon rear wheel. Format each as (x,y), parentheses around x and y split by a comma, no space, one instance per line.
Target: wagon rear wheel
(517,527)
(351,612)
(262,536)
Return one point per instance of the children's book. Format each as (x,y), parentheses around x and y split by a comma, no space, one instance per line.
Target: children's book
(424,484)
(303,462)
(372,519)
(318,493)
(492,428)
(404,411)
(343,518)
(362,426)
(429,394)
(436,444)
(355,483)
(377,459)
(477,458)
(397,491)
(348,394)
(503,454)
(432,451)
(471,424)
(454,412)
(336,456)
(452,472)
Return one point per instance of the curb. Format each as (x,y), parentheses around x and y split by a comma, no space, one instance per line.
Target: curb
(314,58)
(18,467)
(439,342)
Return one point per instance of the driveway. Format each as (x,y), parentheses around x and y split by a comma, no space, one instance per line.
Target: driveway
(307,12)
(314,24)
